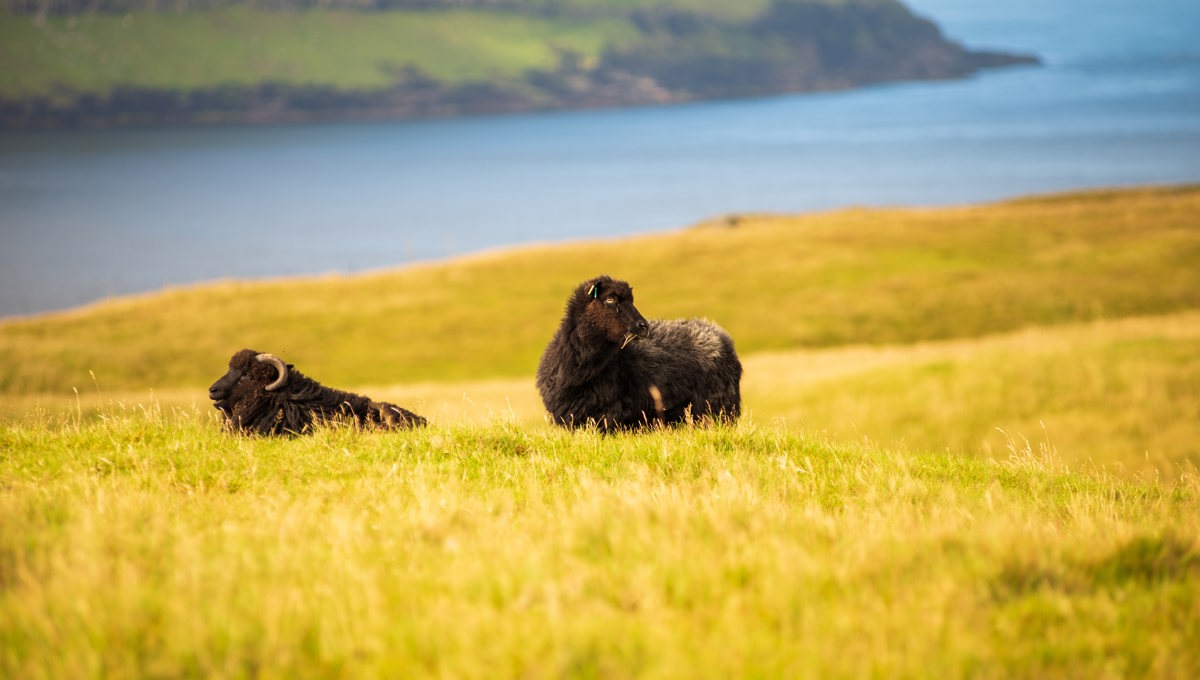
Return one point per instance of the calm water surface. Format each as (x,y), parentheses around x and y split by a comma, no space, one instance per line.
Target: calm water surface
(87,215)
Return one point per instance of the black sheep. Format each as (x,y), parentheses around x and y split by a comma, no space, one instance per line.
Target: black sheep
(608,366)
(262,394)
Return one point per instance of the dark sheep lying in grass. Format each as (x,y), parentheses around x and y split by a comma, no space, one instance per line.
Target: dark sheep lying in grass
(262,394)
(608,366)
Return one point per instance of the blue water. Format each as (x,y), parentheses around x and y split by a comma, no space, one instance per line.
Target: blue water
(90,214)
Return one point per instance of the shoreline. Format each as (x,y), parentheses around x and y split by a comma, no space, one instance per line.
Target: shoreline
(278,104)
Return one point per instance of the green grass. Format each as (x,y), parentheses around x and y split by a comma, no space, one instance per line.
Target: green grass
(969,449)
(63,58)
(241,46)
(146,542)
(743,10)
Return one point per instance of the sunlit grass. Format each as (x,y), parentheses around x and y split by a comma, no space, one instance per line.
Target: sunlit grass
(143,541)
(1121,395)
(1062,321)
(879,277)
(969,449)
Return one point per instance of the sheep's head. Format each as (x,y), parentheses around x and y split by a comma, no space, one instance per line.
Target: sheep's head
(607,305)
(248,367)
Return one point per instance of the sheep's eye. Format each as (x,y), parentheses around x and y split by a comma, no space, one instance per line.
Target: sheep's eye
(610,301)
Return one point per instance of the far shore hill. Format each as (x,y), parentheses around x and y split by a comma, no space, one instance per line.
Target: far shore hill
(71,63)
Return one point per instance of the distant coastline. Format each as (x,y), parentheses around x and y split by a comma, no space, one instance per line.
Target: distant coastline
(674,56)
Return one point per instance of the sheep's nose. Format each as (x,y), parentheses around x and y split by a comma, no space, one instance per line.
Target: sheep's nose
(641,327)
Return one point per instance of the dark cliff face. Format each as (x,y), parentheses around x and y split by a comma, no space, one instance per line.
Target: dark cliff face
(794,46)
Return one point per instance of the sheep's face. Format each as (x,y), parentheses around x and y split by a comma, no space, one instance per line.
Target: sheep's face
(609,308)
(247,373)
(239,367)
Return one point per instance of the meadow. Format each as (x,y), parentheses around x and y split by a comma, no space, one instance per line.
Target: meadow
(93,53)
(340,47)
(969,450)
(81,64)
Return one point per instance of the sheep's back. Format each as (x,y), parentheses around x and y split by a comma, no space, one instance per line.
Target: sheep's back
(705,344)
(691,361)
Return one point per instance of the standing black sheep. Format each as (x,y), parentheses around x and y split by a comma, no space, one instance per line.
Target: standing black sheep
(262,394)
(607,365)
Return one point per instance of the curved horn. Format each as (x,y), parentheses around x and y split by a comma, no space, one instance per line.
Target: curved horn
(279,366)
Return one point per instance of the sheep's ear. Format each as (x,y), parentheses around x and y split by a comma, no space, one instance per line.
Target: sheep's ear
(594,291)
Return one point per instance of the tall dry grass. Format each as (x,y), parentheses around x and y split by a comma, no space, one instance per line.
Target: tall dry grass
(144,542)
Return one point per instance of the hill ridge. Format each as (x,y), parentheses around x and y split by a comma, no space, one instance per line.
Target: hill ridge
(286,62)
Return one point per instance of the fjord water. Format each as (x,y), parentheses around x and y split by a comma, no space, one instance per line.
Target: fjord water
(90,214)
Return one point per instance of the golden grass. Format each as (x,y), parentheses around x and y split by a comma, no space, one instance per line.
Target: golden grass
(776,283)
(145,542)
(1122,395)
(969,449)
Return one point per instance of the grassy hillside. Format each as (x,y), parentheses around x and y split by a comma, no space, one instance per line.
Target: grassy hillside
(775,282)
(138,63)
(1122,396)
(969,449)
(1066,321)
(94,53)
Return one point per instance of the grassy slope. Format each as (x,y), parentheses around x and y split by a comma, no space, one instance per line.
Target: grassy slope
(776,283)
(900,326)
(241,46)
(1121,395)
(137,539)
(745,9)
